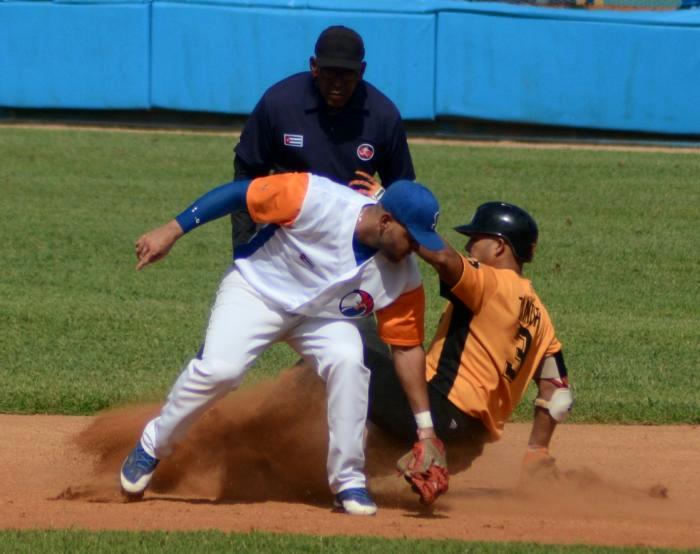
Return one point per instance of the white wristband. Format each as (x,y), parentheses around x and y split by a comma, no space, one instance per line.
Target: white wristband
(424,420)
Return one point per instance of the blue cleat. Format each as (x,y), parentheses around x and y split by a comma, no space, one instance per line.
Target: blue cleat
(137,471)
(356,502)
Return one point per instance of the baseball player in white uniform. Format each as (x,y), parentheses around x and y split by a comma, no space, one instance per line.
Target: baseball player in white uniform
(325,257)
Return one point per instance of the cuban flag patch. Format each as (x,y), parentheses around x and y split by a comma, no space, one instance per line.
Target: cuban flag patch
(296,141)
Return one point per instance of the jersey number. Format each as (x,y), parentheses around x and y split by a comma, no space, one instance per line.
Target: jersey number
(525,340)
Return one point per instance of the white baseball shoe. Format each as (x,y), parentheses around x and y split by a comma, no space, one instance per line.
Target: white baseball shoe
(137,471)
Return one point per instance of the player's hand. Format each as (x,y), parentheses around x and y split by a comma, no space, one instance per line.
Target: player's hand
(156,244)
(538,465)
(366,185)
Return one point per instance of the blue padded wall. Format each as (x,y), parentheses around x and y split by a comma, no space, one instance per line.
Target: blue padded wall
(74,55)
(221,58)
(635,72)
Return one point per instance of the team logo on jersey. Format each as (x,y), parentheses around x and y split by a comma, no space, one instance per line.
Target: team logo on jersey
(435,219)
(297,141)
(365,152)
(357,303)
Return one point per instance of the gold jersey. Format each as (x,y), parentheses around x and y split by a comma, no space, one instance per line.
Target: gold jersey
(492,337)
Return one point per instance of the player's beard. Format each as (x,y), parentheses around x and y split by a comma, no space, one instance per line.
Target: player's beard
(390,250)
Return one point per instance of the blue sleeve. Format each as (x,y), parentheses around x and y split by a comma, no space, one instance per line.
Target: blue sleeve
(396,163)
(214,204)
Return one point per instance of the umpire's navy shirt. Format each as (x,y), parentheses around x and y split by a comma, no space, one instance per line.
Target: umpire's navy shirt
(293,129)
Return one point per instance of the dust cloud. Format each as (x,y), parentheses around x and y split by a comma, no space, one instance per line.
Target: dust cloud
(269,442)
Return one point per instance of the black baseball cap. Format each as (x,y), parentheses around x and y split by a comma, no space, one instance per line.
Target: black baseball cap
(340,46)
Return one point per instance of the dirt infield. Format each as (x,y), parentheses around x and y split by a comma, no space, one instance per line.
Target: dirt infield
(246,467)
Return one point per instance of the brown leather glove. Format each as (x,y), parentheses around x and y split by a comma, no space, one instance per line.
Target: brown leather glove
(425,469)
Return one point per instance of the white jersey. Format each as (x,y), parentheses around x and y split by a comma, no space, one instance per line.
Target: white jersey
(307,260)
(298,280)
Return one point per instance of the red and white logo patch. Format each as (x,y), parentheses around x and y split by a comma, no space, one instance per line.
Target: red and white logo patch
(365,152)
(357,303)
(297,141)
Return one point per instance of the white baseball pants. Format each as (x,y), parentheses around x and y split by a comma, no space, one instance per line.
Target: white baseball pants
(241,326)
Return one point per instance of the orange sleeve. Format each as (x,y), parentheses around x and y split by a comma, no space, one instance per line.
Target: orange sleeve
(553,348)
(476,283)
(277,198)
(402,322)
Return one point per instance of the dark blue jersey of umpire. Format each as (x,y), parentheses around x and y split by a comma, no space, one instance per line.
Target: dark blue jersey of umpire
(293,129)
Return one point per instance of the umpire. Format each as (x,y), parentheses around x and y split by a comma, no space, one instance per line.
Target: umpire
(328,121)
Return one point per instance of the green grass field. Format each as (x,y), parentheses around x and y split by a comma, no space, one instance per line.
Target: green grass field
(82,330)
(211,542)
(617,266)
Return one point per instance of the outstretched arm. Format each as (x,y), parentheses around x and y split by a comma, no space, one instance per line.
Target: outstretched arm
(156,244)
(447,262)
(538,464)
(553,404)
(409,363)
(543,424)
(425,466)
(554,399)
